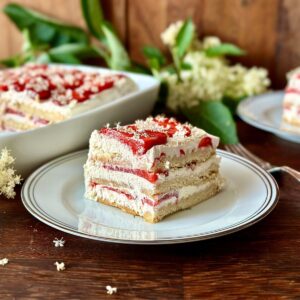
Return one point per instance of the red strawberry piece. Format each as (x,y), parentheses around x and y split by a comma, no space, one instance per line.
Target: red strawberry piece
(3,88)
(205,142)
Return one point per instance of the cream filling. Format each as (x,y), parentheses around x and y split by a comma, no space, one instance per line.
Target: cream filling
(23,119)
(95,171)
(138,205)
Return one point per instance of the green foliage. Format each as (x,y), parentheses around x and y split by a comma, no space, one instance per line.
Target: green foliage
(42,29)
(111,48)
(224,49)
(93,16)
(184,38)
(215,118)
(118,56)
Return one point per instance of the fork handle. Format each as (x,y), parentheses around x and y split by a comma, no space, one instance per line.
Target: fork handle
(288,170)
(292,172)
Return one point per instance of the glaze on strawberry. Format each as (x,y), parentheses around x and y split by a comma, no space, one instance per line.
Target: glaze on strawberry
(141,136)
(139,141)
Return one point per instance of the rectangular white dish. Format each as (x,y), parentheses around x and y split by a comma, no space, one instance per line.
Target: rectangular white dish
(34,147)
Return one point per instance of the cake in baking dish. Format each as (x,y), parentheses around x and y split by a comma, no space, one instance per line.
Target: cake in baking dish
(36,95)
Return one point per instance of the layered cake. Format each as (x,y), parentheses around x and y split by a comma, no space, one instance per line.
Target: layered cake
(291,101)
(152,168)
(37,95)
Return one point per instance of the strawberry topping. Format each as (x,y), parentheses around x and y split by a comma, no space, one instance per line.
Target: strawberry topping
(205,142)
(139,141)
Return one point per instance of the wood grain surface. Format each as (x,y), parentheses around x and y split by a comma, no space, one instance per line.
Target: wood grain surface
(267,29)
(261,262)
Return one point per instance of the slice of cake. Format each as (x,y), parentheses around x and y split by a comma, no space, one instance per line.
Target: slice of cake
(152,168)
(291,101)
(37,95)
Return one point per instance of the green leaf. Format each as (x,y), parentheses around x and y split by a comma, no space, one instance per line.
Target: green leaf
(154,64)
(184,37)
(71,53)
(119,59)
(11,62)
(231,103)
(138,68)
(42,29)
(215,118)
(224,49)
(186,66)
(93,16)
(154,53)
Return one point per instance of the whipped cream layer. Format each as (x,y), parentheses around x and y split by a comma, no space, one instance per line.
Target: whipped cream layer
(138,182)
(142,203)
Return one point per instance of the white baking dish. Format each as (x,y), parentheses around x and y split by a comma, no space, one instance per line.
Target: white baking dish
(34,147)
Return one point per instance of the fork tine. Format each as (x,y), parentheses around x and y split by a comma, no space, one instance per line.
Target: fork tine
(253,157)
(239,149)
(233,150)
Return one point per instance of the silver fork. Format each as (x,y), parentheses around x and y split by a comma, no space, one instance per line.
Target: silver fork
(239,149)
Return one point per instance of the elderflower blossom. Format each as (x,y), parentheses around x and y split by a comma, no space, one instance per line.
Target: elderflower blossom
(206,81)
(210,78)
(169,35)
(244,82)
(60,266)
(3,261)
(8,178)
(110,290)
(211,41)
(59,242)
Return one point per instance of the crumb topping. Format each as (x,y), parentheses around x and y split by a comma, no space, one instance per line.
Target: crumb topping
(60,86)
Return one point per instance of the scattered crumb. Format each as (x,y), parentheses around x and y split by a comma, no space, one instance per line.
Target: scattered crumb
(59,242)
(118,125)
(3,261)
(107,125)
(167,165)
(60,266)
(35,230)
(110,290)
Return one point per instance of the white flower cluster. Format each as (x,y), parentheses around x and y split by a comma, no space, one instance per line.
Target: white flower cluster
(210,78)
(243,82)
(8,178)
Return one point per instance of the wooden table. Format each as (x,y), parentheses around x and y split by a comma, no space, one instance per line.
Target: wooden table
(261,261)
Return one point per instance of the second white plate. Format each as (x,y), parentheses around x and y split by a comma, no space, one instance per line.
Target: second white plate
(265,112)
(54,195)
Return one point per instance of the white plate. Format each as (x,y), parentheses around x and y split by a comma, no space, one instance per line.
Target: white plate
(265,112)
(54,195)
(34,147)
